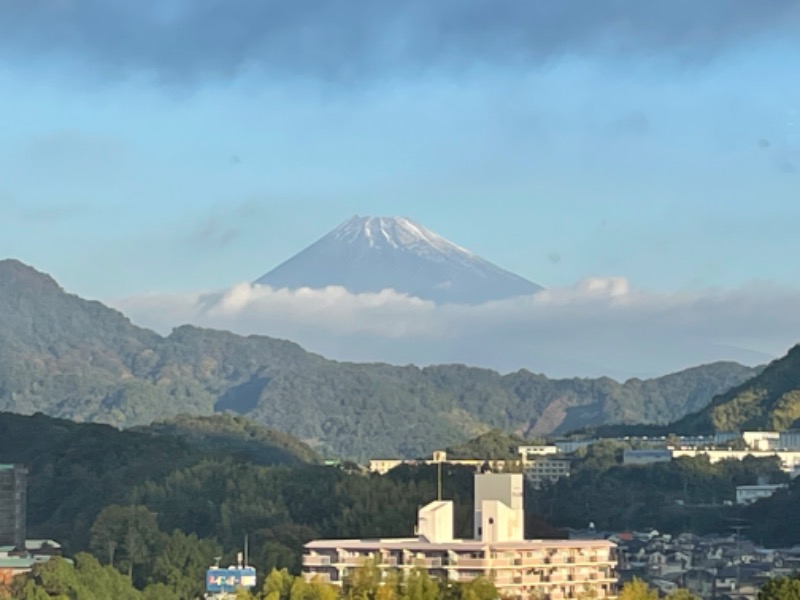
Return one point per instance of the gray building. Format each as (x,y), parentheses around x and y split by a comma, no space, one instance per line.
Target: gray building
(13,503)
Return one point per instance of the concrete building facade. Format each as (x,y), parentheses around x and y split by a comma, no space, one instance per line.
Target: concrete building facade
(747,494)
(542,470)
(520,569)
(13,503)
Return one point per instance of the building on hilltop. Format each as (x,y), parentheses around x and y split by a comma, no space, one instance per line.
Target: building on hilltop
(13,503)
(540,464)
(384,465)
(542,470)
(646,457)
(747,494)
(521,569)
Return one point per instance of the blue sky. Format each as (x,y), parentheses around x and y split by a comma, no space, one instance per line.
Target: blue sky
(178,147)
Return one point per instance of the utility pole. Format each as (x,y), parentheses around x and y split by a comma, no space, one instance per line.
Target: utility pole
(439,481)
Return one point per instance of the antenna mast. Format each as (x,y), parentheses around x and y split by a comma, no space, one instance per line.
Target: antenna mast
(439,481)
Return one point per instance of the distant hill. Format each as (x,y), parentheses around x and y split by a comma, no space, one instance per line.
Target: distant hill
(77,468)
(370,254)
(78,359)
(232,434)
(492,445)
(768,401)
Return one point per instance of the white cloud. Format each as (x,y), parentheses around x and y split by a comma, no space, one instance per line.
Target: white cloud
(600,326)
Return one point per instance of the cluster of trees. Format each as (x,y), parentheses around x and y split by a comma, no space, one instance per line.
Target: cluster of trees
(76,469)
(87,579)
(779,588)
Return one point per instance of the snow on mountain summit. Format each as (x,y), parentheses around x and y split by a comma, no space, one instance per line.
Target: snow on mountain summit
(369,254)
(394,231)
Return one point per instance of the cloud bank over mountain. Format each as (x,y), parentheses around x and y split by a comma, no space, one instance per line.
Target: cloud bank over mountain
(600,326)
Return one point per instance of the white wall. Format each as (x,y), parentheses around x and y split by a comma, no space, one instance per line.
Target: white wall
(435,521)
(507,489)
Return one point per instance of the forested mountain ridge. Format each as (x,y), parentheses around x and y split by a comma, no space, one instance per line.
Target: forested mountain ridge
(768,401)
(78,359)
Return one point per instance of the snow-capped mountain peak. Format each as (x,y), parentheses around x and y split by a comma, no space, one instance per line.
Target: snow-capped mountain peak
(394,231)
(369,254)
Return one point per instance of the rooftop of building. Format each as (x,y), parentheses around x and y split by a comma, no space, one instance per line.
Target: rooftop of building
(21,562)
(457,544)
(33,545)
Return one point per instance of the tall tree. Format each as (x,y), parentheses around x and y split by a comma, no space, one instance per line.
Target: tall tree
(781,588)
(182,562)
(636,589)
(420,586)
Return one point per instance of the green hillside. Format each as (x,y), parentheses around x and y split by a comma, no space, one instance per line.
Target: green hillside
(78,468)
(768,401)
(72,358)
(233,434)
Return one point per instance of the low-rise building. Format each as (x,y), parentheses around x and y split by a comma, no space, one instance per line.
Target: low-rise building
(646,457)
(384,465)
(15,560)
(530,452)
(542,470)
(519,568)
(570,446)
(747,494)
(761,440)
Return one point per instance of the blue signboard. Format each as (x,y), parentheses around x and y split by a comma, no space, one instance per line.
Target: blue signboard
(228,580)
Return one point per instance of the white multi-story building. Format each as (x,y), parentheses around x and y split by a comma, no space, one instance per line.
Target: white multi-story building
(521,569)
(541,470)
(530,452)
(761,440)
(747,494)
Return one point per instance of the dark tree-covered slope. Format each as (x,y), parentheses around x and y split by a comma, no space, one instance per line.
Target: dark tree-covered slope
(770,400)
(75,469)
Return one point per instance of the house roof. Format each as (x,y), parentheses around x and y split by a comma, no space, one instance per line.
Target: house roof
(39,544)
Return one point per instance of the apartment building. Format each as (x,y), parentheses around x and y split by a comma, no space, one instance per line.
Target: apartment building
(13,504)
(545,469)
(521,569)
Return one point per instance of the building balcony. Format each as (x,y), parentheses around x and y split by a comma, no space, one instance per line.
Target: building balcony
(502,562)
(472,563)
(316,560)
(432,562)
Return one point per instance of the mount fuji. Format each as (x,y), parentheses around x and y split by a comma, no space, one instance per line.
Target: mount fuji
(370,254)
